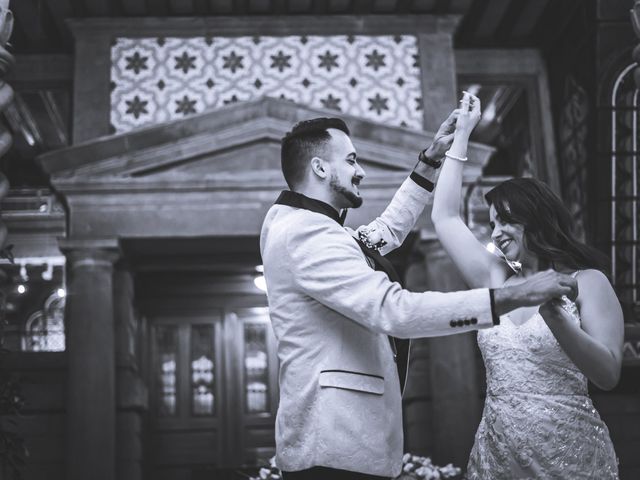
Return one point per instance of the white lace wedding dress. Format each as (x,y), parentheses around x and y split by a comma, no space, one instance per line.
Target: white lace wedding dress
(538,420)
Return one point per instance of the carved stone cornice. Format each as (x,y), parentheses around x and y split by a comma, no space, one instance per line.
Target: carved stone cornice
(216,173)
(147,152)
(264,25)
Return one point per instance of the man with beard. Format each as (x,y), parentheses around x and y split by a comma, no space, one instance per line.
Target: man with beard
(333,303)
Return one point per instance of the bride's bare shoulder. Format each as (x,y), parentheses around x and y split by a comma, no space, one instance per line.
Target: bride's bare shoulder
(592,279)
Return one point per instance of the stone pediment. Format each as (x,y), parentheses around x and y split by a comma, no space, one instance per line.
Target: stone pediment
(239,140)
(215,173)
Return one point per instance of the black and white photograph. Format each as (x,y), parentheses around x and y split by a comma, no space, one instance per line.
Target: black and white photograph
(319,239)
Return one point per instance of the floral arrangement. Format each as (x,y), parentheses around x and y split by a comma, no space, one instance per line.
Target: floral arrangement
(413,467)
(371,237)
(268,473)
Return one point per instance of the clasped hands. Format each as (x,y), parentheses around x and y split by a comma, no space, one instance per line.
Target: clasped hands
(460,121)
(552,309)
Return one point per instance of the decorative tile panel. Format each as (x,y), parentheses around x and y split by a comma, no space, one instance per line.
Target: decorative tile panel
(161,79)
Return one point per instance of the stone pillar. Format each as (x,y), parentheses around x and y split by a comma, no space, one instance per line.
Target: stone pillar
(438,75)
(454,374)
(131,392)
(6,97)
(91,394)
(416,401)
(451,371)
(92,73)
(124,318)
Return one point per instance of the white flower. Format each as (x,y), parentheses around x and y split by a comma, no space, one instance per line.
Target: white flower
(428,473)
(371,236)
(268,473)
(423,468)
(264,473)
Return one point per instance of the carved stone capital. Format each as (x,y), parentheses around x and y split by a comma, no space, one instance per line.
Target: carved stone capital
(93,253)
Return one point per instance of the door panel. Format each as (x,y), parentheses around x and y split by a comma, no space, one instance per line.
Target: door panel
(186,394)
(213,392)
(190,447)
(255,364)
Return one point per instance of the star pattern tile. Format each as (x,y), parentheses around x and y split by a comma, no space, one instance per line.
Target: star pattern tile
(161,79)
(185,62)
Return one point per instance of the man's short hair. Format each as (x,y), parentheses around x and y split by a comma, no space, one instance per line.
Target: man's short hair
(306,140)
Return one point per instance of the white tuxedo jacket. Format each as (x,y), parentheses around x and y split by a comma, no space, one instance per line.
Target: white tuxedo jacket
(340,402)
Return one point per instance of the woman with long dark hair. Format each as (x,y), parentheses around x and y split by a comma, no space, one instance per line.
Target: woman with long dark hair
(538,420)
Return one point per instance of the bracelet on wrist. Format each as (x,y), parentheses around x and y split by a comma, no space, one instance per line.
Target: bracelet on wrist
(454,157)
(422,156)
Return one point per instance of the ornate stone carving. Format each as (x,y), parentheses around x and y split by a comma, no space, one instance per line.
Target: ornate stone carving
(6,96)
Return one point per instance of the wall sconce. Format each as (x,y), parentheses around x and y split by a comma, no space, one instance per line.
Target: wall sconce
(23,272)
(47,274)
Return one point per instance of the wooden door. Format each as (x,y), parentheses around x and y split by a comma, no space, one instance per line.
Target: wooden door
(213,393)
(253,372)
(187,397)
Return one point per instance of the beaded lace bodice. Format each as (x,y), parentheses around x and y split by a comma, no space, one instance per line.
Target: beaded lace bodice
(527,358)
(538,421)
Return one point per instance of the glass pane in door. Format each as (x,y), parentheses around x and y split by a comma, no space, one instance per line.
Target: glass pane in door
(166,346)
(202,370)
(256,371)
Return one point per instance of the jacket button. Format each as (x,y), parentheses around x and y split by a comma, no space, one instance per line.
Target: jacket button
(467,322)
(474,320)
(452,323)
(460,323)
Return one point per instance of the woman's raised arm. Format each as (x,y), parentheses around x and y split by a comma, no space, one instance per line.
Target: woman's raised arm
(474,262)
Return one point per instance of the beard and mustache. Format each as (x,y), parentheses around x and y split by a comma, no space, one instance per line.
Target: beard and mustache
(354,199)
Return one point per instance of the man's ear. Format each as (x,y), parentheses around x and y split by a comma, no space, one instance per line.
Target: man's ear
(319,167)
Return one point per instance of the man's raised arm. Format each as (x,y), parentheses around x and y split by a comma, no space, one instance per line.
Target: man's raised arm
(390,229)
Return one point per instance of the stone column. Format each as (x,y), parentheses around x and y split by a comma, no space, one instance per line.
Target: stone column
(92,73)
(452,392)
(131,392)
(91,394)
(416,400)
(438,75)
(454,371)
